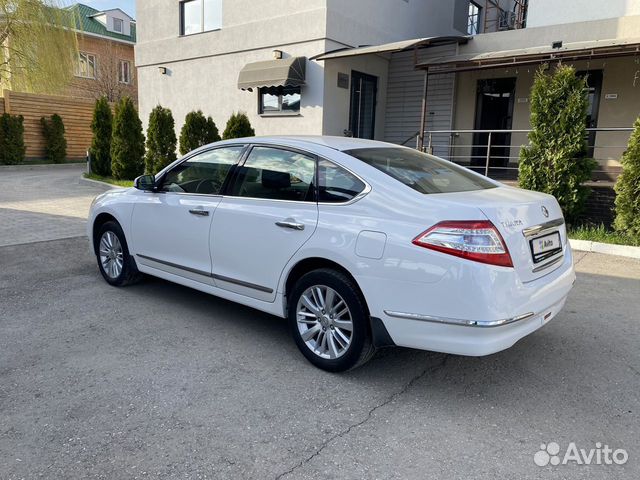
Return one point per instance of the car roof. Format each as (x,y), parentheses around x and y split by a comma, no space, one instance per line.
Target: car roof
(334,142)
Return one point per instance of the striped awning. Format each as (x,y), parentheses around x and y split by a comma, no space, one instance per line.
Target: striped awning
(288,72)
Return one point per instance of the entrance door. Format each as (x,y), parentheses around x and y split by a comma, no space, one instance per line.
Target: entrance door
(362,112)
(594,89)
(494,111)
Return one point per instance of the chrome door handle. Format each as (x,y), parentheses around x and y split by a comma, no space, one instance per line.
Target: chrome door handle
(292,225)
(202,213)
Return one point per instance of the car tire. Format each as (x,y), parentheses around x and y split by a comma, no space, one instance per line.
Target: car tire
(112,253)
(335,338)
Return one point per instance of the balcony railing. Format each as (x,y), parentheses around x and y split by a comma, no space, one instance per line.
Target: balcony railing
(496,153)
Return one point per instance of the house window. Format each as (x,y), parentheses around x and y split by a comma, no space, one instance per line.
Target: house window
(279,101)
(117,25)
(473,25)
(124,71)
(86,66)
(198,16)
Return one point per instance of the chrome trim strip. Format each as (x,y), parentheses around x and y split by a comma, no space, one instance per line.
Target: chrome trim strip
(175,265)
(207,274)
(536,229)
(539,268)
(459,322)
(242,283)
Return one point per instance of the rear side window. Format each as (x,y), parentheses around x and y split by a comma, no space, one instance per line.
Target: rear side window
(335,184)
(276,174)
(424,173)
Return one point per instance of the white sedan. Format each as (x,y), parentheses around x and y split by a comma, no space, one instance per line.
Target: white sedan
(360,244)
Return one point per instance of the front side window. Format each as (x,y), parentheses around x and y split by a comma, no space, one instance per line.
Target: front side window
(424,173)
(335,184)
(86,66)
(124,71)
(203,173)
(117,25)
(278,101)
(276,174)
(473,24)
(198,16)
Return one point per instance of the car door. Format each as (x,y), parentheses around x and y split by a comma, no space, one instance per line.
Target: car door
(269,213)
(171,226)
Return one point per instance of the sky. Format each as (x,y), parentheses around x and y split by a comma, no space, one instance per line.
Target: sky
(129,6)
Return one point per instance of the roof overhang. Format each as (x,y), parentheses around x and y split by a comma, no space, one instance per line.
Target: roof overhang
(393,47)
(532,55)
(288,72)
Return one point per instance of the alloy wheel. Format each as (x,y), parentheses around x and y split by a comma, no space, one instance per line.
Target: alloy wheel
(111,254)
(324,321)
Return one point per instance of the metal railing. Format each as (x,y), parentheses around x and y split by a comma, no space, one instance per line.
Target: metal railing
(497,152)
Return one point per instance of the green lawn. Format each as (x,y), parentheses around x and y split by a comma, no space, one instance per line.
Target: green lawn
(112,181)
(601,234)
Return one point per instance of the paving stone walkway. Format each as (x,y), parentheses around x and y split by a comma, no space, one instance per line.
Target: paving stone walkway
(43,203)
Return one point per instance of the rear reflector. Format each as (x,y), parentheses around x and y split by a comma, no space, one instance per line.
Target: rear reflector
(477,240)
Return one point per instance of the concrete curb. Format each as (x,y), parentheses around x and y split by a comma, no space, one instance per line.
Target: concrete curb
(605,248)
(17,168)
(90,181)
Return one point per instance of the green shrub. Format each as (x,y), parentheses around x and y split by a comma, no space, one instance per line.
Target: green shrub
(556,161)
(127,142)
(161,140)
(12,147)
(628,189)
(101,126)
(238,126)
(55,143)
(197,131)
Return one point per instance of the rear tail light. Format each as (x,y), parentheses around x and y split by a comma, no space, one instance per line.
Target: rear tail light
(479,241)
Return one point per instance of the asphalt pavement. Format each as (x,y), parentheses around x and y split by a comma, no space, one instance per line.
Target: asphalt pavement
(160,381)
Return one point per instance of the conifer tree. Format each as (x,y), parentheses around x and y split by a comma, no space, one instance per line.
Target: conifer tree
(556,160)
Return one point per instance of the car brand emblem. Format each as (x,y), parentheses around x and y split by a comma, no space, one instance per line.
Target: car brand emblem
(545,212)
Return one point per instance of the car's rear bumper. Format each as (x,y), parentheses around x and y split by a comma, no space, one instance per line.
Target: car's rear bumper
(497,318)
(466,340)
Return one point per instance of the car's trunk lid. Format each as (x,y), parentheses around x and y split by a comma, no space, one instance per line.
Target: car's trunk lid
(531,224)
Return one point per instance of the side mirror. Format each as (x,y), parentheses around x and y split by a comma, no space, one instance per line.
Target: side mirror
(145,182)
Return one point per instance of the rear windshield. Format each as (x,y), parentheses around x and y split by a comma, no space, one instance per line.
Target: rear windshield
(422,172)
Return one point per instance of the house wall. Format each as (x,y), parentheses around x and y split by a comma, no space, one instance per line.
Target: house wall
(210,84)
(404,98)
(337,100)
(553,12)
(202,69)
(621,76)
(625,27)
(107,53)
(357,22)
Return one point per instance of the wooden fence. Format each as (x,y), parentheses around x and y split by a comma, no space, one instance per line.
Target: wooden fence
(76,114)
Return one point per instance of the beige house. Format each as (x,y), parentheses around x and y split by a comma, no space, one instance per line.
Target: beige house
(344,68)
(190,55)
(464,93)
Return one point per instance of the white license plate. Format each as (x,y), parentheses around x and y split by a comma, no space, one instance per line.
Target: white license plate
(545,246)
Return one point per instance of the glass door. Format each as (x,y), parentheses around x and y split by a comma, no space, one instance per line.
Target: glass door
(362,111)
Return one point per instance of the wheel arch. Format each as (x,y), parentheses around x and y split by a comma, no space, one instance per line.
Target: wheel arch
(309,264)
(379,333)
(100,220)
